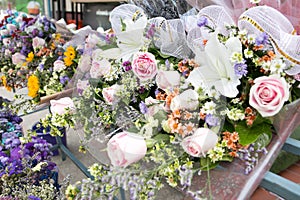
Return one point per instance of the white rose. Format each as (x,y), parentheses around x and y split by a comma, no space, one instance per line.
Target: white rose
(59,106)
(153,106)
(167,79)
(100,68)
(200,142)
(109,94)
(187,100)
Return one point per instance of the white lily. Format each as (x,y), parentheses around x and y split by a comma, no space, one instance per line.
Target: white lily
(216,69)
(129,41)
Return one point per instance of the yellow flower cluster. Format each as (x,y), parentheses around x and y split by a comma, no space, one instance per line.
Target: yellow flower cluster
(69,56)
(33,86)
(4,82)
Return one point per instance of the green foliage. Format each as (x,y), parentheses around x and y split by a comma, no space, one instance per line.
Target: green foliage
(248,135)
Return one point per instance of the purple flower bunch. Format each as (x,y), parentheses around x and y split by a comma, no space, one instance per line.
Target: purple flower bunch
(23,162)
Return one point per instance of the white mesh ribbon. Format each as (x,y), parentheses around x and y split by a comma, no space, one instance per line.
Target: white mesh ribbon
(218,18)
(279,28)
(123,13)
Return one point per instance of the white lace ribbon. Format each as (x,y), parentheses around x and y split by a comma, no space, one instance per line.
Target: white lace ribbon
(254,20)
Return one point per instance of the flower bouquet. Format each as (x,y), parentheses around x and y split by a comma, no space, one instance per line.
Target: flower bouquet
(25,168)
(35,57)
(173,98)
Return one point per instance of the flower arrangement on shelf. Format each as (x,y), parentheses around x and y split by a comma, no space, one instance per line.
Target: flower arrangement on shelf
(26,169)
(171,100)
(35,56)
(18,31)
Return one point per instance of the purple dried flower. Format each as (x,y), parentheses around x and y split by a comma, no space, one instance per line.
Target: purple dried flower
(143,107)
(64,79)
(212,120)
(240,69)
(151,31)
(262,39)
(31,197)
(142,90)
(127,65)
(202,21)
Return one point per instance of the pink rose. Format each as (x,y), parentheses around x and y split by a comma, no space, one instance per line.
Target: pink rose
(38,42)
(144,66)
(109,94)
(59,106)
(18,58)
(268,95)
(126,148)
(200,142)
(59,65)
(81,86)
(167,79)
(100,68)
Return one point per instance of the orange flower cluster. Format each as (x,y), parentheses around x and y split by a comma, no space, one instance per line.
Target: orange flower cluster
(250,116)
(167,97)
(232,142)
(186,66)
(178,120)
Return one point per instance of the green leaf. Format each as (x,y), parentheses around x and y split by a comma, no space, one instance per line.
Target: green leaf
(160,115)
(249,135)
(263,140)
(162,137)
(228,126)
(133,129)
(227,158)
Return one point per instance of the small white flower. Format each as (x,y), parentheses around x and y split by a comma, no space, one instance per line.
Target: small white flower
(277,66)
(243,33)
(224,112)
(213,93)
(266,65)
(235,100)
(147,129)
(209,108)
(248,53)
(254,1)
(251,38)
(236,114)
(38,167)
(236,57)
